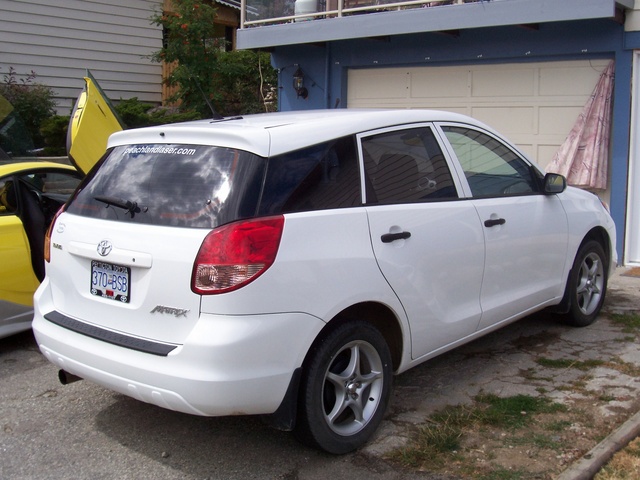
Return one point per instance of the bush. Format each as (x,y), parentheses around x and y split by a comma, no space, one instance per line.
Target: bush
(243,83)
(54,131)
(135,114)
(33,102)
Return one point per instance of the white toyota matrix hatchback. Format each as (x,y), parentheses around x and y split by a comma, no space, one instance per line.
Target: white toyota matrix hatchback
(289,264)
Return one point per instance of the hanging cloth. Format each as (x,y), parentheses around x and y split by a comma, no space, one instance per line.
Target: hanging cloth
(583,158)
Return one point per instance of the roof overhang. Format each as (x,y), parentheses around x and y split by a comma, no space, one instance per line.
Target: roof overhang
(435,19)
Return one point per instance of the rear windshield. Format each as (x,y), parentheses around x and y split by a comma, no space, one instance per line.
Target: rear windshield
(172,185)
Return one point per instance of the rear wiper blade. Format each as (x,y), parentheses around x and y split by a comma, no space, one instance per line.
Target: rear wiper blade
(126,205)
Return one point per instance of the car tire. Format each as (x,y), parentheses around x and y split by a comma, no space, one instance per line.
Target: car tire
(587,284)
(345,388)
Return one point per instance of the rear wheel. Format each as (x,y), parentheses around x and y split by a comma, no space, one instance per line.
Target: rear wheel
(587,284)
(345,389)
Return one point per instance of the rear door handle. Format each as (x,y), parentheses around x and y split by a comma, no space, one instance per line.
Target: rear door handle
(392,237)
(494,221)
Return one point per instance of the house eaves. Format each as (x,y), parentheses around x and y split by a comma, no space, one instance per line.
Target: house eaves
(436,19)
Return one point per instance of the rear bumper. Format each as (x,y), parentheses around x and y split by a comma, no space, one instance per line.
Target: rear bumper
(229,365)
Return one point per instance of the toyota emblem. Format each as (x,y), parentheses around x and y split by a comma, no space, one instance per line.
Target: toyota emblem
(104,248)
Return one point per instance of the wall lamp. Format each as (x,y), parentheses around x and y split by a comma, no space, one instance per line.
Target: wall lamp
(298,84)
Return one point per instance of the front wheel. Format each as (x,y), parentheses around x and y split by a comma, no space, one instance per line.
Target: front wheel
(345,388)
(587,284)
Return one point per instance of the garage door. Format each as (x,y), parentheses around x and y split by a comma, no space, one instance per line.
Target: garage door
(533,104)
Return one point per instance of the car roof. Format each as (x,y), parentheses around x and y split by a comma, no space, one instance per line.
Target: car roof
(275,133)
(16,167)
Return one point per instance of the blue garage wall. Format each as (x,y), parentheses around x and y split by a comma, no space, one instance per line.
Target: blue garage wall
(326,66)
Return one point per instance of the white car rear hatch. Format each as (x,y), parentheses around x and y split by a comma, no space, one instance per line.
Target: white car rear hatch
(123,251)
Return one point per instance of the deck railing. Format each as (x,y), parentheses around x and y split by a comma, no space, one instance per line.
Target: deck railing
(258,12)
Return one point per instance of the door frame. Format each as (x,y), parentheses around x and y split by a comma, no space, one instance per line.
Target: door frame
(631,254)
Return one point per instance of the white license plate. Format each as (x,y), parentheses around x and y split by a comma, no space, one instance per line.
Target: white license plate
(110,281)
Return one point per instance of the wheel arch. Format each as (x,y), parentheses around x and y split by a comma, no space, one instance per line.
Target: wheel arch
(600,235)
(379,315)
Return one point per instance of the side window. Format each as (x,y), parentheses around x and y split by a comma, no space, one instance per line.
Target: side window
(405,166)
(492,169)
(50,190)
(320,177)
(8,200)
(55,183)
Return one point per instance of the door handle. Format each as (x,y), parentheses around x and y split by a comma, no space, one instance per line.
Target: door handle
(494,221)
(392,237)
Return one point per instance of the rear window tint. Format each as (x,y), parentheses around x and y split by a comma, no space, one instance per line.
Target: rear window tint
(172,185)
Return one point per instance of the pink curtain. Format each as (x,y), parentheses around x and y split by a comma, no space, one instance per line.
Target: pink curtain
(584,156)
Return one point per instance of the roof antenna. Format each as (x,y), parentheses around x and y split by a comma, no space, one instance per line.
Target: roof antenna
(214,114)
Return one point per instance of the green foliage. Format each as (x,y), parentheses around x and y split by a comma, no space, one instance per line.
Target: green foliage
(54,131)
(135,113)
(569,363)
(244,83)
(203,71)
(514,412)
(32,102)
(191,43)
(440,440)
(629,321)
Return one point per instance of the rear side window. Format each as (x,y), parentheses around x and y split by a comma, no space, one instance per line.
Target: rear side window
(172,185)
(319,177)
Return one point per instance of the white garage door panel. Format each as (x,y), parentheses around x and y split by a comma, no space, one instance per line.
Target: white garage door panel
(557,120)
(508,120)
(392,82)
(534,104)
(439,83)
(572,80)
(512,83)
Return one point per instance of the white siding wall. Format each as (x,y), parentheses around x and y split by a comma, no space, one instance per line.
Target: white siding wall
(60,39)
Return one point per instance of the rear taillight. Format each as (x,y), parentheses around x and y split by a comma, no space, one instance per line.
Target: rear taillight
(47,236)
(234,255)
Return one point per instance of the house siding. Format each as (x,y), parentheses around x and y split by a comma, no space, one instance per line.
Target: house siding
(60,41)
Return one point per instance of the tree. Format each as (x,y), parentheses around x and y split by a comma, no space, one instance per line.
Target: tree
(202,69)
(190,44)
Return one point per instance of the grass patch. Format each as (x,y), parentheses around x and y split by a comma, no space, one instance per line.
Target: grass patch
(606,397)
(437,440)
(569,363)
(630,322)
(538,440)
(440,440)
(558,426)
(514,412)
(624,367)
(503,474)
(625,465)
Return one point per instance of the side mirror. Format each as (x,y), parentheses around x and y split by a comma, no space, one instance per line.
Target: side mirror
(554,183)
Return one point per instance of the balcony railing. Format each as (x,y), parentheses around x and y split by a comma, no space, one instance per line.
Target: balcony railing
(264,12)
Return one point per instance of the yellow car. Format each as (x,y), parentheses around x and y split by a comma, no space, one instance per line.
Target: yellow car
(30,195)
(32,192)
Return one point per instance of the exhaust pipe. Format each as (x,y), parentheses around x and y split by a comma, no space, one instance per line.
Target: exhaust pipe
(66,378)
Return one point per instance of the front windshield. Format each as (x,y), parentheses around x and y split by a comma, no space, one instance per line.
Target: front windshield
(172,185)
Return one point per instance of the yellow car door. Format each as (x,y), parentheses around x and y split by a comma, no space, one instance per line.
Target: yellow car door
(17,282)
